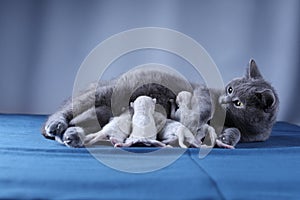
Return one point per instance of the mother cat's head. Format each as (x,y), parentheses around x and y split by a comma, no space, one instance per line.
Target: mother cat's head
(251,105)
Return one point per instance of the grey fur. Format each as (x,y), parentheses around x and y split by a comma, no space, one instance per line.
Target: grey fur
(230,136)
(254,120)
(73,137)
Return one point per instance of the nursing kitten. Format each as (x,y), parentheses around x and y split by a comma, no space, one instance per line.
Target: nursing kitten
(190,111)
(174,132)
(250,103)
(116,130)
(144,130)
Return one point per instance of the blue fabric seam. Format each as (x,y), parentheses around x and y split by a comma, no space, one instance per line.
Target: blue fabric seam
(210,178)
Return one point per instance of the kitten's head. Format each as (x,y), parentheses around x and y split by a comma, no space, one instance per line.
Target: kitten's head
(144,104)
(251,105)
(184,99)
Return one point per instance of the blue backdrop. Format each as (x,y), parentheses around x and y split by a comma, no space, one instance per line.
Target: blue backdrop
(43,43)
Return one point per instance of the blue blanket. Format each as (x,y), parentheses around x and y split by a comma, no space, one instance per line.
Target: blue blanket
(32,167)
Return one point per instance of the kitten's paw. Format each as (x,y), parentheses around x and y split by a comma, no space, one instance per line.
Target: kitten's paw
(89,138)
(223,145)
(93,138)
(55,127)
(118,145)
(73,137)
(121,145)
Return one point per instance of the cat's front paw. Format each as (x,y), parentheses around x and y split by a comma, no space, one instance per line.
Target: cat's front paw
(55,127)
(229,137)
(74,137)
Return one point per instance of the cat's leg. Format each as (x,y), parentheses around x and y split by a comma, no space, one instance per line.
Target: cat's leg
(92,139)
(73,137)
(58,122)
(181,136)
(186,135)
(210,136)
(181,141)
(126,144)
(82,125)
(93,119)
(223,145)
(144,141)
(229,137)
(117,140)
(170,140)
(155,143)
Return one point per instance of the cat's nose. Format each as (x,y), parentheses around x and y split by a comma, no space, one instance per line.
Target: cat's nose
(225,99)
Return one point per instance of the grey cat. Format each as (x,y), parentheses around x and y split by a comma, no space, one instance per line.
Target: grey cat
(250,103)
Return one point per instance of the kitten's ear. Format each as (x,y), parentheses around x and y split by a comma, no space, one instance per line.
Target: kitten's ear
(131,104)
(252,71)
(154,100)
(267,99)
(178,99)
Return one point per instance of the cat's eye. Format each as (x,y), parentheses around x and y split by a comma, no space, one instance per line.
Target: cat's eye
(229,90)
(238,103)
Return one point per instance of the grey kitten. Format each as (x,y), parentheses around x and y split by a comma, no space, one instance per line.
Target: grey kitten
(250,103)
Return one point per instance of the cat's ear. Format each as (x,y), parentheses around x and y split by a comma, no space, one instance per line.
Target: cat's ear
(252,71)
(267,99)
